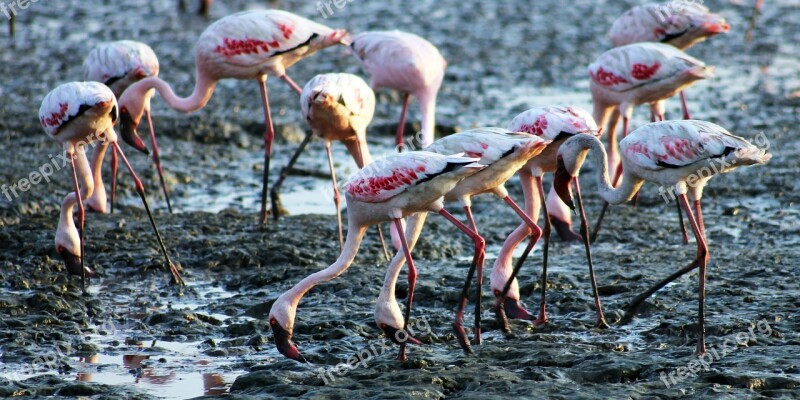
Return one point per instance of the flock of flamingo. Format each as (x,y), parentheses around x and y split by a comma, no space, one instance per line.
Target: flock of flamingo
(647,66)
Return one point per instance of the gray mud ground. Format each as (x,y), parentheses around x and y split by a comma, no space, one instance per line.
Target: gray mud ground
(137,337)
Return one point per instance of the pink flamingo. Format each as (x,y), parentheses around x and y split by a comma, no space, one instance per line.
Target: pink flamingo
(77,114)
(118,65)
(246,45)
(504,153)
(554,124)
(674,154)
(409,64)
(681,24)
(337,107)
(389,189)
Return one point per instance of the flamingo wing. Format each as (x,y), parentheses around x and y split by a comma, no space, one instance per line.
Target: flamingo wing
(554,122)
(487,144)
(628,67)
(69,101)
(112,61)
(398,60)
(389,176)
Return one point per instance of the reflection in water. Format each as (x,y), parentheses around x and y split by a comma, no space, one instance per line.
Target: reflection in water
(168,382)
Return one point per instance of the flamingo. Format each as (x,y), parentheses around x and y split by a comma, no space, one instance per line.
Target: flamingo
(681,24)
(245,45)
(409,64)
(389,189)
(118,65)
(554,124)
(337,107)
(756,11)
(681,156)
(503,152)
(77,114)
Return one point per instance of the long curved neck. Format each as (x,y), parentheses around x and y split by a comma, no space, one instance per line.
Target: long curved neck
(427,106)
(629,185)
(203,89)
(413,230)
(353,241)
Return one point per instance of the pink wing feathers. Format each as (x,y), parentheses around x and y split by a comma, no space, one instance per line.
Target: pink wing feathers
(552,122)
(115,60)
(488,144)
(662,22)
(70,100)
(627,67)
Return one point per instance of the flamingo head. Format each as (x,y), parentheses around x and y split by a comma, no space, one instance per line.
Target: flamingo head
(73,263)
(390,320)
(281,320)
(130,115)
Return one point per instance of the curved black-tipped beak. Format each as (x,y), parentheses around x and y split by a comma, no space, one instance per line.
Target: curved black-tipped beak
(73,264)
(561,183)
(514,310)
(128,132)
(283,341)
(399,336)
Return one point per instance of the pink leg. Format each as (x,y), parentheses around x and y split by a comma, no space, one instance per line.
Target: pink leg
(114,165)
(81,217)
(683,226)
(479,281)
(269,136)
(292,84)
(157,160)
(337,198)
(617,176)
(701,261)
(412,282)
(477,261)
(176,276)
(698,211)
(547,228)
(685,108)
(756,10)
(402,126)
(601,319)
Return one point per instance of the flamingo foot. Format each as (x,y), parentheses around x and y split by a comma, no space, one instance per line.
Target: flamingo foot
(601,323)
(564,230)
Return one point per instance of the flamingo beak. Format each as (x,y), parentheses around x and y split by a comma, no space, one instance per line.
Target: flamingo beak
(73,263)
(717,28)
(561,183)
(399,336)
(283,341)
(128,132)
(515,310)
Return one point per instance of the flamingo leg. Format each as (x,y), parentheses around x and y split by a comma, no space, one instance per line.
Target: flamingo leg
(275,194)
(157,160)
(617,176)
(701,261)
(684,106)
(683,225)
(698,214)
(477,262)
(81,217)
(337,198)
(756,10)
(176,276)
(269,136)
(402,125)
(114,166)
(292,84)
(412,282)
(479,282)
(535,236)
(601,319)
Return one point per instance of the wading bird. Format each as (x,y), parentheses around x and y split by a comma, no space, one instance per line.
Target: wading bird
(679,23)
(336,107)
(118,65)
(675,155)
(409,64)
(503,152)
(77,114)
(554,124)
(389,189)
(245,45)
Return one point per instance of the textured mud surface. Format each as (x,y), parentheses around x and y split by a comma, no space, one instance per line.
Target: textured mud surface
(134,336)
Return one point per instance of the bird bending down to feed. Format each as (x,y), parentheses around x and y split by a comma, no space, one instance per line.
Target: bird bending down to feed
(680,24)
(337,107)
(245,45)
(389,189)
(554,124)
(503,152)
(634,74)
(675,155)
(76,114)
(118,65)
(409,64)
